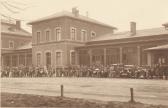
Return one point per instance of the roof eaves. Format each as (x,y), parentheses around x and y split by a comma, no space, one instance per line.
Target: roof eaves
(16,34)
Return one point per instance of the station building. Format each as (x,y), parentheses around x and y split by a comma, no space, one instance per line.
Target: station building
(55,37)
(69,39)
(16,46)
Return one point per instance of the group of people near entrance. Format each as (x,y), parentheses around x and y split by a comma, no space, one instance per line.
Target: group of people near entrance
(99,71)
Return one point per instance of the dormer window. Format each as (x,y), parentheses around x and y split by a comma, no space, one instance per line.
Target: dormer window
(11,44)
(93,34)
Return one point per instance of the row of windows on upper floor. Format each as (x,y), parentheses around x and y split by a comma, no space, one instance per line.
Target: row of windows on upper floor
(57,34)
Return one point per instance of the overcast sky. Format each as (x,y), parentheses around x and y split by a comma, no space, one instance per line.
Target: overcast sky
(118,13)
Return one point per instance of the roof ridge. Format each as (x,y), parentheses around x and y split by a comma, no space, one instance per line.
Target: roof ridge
(70,14)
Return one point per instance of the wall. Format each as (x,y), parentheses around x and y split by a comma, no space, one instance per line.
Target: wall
(51,25)
(100,30)
(65,45)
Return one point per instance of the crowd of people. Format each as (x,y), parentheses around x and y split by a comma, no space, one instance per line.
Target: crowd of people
(99,71)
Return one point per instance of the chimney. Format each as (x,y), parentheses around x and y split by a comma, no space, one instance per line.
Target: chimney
(133,28)
(75,11)
(18,24)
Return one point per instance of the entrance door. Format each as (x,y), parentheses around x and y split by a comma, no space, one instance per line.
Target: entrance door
(48,59)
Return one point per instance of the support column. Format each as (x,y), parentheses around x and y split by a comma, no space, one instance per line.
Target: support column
(121,55)
(90,56)
(18,59)
(105,57)
(138,55)
(10,60)
(25,59)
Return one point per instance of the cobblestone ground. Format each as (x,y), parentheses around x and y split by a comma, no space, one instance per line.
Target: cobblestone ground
(106,89)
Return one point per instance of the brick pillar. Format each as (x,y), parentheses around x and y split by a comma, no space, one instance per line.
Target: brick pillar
(139,55)
(105,54)
(121,55)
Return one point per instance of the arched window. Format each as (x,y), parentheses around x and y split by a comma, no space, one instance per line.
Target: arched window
(58,33)
(83,36)
(73,33)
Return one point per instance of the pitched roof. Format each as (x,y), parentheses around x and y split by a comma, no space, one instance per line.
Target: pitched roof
(70,14)
(26,46)
(9,28)
(162,47)
(127,34)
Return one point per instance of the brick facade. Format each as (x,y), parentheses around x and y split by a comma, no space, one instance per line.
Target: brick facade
(66,44)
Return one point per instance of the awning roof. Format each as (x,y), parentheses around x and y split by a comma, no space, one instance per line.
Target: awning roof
(26,46)
(162,47)
(126,35)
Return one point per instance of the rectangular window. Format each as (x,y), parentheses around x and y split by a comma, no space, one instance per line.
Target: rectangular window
(83,36)
(47,35)
(38,59)
(11,44)
(58,34)
(72,57)
(38,37)
(58,58)
(93,34)
(73,33)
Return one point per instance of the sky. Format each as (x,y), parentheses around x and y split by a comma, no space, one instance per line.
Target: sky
(117,13)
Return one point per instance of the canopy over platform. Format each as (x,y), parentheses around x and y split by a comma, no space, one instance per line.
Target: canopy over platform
(162,47)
